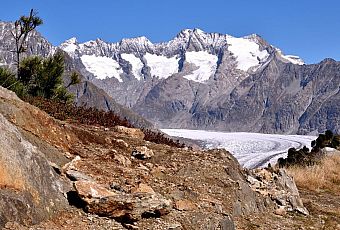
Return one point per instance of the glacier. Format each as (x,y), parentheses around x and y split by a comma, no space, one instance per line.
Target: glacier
(102,67)
(252,150)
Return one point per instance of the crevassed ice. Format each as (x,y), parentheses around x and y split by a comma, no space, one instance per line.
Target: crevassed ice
(250,149)
(136,63)
(205,62)
(247,52)
(102,67)
(162,66)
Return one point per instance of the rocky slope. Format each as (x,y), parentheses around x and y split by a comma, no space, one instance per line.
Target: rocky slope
(112,178)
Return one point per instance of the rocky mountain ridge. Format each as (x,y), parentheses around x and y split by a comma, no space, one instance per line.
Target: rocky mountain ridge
(213,81)
(202,80)
(245,54)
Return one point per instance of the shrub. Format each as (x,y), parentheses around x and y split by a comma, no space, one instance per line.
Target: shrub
(159,138)
(9,81)
(304,157)
(78,114)
(92,116)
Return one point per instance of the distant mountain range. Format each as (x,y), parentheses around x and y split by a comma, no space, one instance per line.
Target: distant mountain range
(202,80)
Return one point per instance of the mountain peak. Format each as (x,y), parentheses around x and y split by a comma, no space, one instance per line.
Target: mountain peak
(189,32)
(70,45)
(138,40)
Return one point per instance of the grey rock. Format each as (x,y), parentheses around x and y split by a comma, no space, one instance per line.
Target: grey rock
(227,224)
(119,205)
(249,201)
(30,190)
(74,175)
(280,187)
(142,153)
(287,183)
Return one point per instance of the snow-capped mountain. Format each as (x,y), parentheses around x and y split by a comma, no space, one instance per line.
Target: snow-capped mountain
(201,53)
(202,80)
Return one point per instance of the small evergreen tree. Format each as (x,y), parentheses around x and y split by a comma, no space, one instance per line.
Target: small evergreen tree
(44,77)
(22,27)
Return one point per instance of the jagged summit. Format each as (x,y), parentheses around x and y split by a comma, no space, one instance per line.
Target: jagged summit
(199,49)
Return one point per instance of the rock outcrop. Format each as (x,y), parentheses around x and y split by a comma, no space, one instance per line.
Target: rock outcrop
(280,187)
(30,190)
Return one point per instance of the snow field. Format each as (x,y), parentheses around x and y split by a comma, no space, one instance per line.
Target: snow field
(205,62)
(136,63)
(102,67)
(247,52)
(161,66)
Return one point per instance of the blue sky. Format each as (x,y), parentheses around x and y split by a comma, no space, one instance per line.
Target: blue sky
(308,28)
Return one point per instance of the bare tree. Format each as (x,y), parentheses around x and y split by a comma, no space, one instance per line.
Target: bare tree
(22,28)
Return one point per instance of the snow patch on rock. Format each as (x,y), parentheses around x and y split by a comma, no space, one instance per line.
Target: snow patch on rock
(205,62)
(247,52)
(136,63)
(162,66)
(291,58)
(70,46)
(102,67)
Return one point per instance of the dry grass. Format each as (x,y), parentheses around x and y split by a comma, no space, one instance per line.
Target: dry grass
(320,177)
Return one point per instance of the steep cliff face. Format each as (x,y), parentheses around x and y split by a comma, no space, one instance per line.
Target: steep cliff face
(279,98)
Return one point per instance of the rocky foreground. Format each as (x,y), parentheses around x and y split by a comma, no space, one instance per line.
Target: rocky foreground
(58,175)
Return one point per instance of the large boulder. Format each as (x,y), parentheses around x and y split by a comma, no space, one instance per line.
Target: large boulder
(125,207)
(30,190)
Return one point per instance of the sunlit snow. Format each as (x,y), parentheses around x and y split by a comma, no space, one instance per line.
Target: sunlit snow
(161,66)
(102,67)
(293,59)
(136,63)
(205,62)
(250,149)
(247,52)
(69,46)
